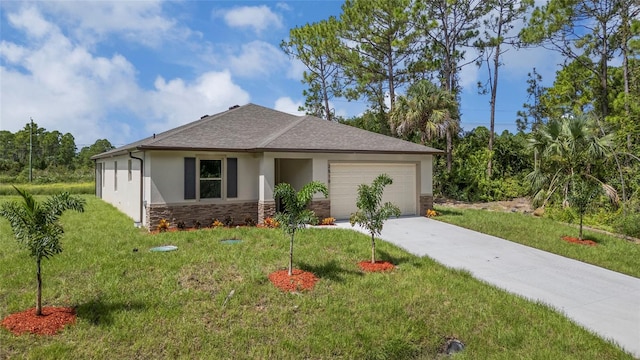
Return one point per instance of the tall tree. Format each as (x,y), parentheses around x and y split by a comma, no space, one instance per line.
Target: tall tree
(497,35)
(582,31)
(379,48)
(35,226)
(100,146)
(313,44)
(534,113)
(426,111)
(449,28)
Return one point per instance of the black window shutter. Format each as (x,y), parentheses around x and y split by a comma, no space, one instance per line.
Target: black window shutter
(232,177)
(189,178)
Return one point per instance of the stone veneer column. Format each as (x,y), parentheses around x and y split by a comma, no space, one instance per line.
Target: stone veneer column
(266,209)
(322,208)
(426,203)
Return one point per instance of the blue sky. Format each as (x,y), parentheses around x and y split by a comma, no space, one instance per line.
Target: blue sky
(124,70)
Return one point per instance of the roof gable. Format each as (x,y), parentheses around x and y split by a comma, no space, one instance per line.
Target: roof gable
(255,128)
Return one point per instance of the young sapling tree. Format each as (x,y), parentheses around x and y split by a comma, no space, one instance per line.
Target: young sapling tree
(296,213)
(35,225)
(371,213)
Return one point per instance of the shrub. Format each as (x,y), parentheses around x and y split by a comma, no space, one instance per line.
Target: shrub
(217,223)
(271,223)
(328,221)
(248,221)
(196,224)
(228,221)
(431,213)
(163,225)
(181,225)
(628,225)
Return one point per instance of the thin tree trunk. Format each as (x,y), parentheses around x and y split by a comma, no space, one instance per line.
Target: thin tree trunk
(580,235)
(494,92)
(449,149)
(373,249)
(39,290)
(291,256)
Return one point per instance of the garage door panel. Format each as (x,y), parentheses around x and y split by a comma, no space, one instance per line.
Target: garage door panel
(346,177)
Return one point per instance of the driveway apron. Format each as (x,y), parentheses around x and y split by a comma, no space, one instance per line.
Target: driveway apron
(601,300)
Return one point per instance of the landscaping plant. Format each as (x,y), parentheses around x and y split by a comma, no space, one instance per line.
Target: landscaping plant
(296,213)
(371,212)
(35,226)
(581,196)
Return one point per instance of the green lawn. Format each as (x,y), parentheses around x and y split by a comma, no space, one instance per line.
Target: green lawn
(147,305)
(611,252)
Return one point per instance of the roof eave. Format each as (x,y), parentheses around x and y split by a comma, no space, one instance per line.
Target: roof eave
(294,150)
(352,151)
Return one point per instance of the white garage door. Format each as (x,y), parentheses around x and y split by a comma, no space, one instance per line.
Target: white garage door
(344,179)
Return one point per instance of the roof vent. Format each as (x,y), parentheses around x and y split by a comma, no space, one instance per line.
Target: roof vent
(234,107)
(204,116)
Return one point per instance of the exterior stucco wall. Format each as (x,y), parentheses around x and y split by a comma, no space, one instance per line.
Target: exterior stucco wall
(166,171)
(126,197)
(321,162)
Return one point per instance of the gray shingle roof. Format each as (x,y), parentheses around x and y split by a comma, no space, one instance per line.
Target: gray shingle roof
(255,128)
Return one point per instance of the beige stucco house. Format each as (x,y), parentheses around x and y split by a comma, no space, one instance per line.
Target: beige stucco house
(229,163)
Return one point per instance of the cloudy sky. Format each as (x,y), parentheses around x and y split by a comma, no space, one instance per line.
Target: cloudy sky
(123,70)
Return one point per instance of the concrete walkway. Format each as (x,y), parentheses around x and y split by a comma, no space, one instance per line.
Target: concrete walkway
(603,301)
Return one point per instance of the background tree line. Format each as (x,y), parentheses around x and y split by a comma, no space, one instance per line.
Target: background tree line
(404,57)
(53,156)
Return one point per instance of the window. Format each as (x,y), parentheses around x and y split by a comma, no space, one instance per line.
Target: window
(129,170)
(103,178)
(115,176)
(210,179)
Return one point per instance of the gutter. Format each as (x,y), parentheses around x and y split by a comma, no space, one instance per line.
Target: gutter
(141,184)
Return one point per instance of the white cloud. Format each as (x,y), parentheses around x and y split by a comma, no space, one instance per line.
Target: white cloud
(259,18)
(177,102)
(257,58)
(296,69)
(65,87)
(61,85)
(135,21)
(30,20)
(286,104)
(284,6)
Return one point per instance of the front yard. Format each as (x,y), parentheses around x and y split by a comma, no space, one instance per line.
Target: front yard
(154,305)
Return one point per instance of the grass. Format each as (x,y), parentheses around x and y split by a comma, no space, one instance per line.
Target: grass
(612,253)
(50,189)
(151,305)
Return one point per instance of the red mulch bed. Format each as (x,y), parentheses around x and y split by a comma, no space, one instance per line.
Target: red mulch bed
(52,320)
(575,240)
(367,266)
(300,280)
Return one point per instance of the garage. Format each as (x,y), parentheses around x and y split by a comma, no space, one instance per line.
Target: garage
(344,179)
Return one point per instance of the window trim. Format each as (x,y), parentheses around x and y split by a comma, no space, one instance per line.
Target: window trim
(223,171)
(129,170)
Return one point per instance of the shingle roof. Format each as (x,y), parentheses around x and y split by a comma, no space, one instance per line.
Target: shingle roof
(256,128)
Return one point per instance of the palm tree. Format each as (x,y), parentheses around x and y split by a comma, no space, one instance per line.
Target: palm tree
(35,226)
(371,213)
(296,213)
(569,147)
(427,111)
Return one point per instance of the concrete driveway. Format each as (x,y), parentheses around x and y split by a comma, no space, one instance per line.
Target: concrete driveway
(603,301)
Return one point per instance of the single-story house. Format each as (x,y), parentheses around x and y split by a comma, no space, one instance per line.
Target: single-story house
(229,163)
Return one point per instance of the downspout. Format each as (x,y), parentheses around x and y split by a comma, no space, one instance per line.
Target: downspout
(141,185)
